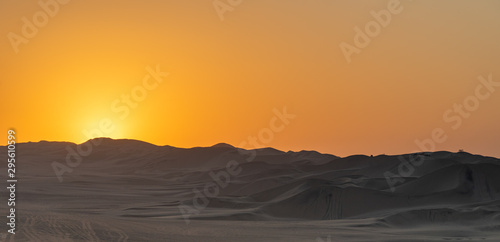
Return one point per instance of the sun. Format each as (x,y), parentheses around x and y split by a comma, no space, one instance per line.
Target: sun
(100,126)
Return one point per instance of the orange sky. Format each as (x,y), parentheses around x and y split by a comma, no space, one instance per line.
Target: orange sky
(227,74)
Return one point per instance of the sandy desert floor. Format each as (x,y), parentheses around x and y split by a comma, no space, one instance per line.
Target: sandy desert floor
(126,190)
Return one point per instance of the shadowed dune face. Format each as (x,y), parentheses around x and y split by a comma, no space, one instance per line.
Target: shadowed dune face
(125,182)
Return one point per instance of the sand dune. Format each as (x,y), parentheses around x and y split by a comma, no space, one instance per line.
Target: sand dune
(128,190)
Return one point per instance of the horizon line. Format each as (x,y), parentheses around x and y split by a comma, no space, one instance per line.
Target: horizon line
(255,148)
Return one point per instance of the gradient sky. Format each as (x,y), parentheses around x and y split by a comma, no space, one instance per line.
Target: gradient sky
(226,76)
